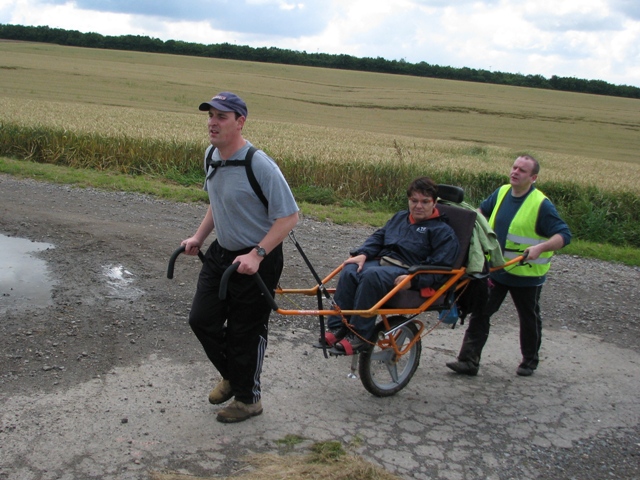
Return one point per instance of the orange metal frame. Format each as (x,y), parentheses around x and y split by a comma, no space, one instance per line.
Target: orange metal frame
(389,341)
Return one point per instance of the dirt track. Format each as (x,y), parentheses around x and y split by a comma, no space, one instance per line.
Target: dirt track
(109,382)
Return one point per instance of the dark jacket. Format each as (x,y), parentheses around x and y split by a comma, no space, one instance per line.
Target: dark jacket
(431,242)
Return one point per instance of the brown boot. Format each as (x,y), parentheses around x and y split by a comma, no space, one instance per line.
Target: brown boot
(221,393)
(237,411)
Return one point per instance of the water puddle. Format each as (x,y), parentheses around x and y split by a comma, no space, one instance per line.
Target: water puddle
(24,279)
(118,276)
(120,282)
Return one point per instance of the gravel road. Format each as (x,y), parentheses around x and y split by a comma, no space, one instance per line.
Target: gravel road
(107,381)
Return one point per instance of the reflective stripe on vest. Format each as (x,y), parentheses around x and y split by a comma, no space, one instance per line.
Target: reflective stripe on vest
(522,233)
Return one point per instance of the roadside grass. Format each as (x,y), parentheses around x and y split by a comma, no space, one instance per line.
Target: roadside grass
(603,251)
(351,213)
(106,180)
(595,213)
(374,215)
(326,460)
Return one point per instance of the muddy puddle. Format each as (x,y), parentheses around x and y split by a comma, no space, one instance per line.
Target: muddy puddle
(25,280)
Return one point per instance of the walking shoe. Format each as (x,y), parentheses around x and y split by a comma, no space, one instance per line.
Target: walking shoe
(221,393)
(464,367)
(524,371)
(237,411)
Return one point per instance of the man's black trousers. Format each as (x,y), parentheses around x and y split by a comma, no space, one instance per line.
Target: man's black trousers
(233,332)
(527,303)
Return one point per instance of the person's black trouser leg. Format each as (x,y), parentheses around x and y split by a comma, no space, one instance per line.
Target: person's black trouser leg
(477,332)
(233,332)
(527,303)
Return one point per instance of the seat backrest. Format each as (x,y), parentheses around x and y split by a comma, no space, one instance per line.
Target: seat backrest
(462,221)
(451,193)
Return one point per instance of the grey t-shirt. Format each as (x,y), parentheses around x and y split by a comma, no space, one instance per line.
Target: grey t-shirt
(240,218)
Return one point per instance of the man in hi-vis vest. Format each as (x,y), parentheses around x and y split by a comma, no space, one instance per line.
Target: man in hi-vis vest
(526,222)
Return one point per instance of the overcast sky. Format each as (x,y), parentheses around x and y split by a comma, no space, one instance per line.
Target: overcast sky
(592,39)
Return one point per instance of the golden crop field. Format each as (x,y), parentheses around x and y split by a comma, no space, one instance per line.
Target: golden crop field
(312,113)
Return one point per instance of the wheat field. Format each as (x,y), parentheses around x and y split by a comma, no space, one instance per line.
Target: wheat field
(326,115)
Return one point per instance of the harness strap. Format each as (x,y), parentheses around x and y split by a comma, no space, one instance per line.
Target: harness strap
(253,181)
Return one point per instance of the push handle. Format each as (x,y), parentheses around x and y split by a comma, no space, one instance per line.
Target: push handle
(224,283)
(174,256)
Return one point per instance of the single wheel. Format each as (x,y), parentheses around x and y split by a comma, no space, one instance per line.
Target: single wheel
(382,371)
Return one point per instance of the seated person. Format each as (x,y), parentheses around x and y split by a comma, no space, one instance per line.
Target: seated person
(419,236)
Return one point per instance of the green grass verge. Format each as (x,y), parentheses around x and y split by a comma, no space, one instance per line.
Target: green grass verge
(372,215)
(592,213)
(104,180)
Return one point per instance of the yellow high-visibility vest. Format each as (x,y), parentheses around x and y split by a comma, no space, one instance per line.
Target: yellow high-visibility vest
(522,233)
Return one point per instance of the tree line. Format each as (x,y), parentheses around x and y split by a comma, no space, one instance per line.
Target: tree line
(291,57)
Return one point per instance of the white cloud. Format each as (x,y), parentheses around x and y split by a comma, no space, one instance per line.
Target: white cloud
(581,38)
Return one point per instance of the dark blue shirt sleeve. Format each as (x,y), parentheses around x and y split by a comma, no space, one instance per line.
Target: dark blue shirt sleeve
(549,223)
(488,204)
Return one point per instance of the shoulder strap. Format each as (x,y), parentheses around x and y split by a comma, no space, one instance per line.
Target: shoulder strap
(252,178)
(253,181)
(208,162)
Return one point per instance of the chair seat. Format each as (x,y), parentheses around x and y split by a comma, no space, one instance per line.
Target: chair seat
(410,299)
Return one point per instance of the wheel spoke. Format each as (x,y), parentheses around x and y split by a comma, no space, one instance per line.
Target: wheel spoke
(383,356)
(392,368)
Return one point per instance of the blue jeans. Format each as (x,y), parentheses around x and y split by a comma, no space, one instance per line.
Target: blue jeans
(361,291)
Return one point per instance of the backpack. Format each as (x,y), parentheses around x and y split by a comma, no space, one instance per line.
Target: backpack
(238,163)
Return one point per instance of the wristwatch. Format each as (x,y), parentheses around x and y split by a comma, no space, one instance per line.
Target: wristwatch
(261,251)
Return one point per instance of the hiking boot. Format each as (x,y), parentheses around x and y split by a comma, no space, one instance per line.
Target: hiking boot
(237,411)
(221,393)
(524,371)
(464,367)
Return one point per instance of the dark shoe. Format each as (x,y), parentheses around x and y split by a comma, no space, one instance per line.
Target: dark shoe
(237,411)
(464,367)
(331,336)
(349,345)
(524,371)
(221,393)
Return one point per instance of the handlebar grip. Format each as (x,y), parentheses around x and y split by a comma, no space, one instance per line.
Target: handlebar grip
(172,261)
(174,256)
(224,282)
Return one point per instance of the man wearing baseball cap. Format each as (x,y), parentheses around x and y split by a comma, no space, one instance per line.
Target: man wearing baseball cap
(249,231)
(226,102)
